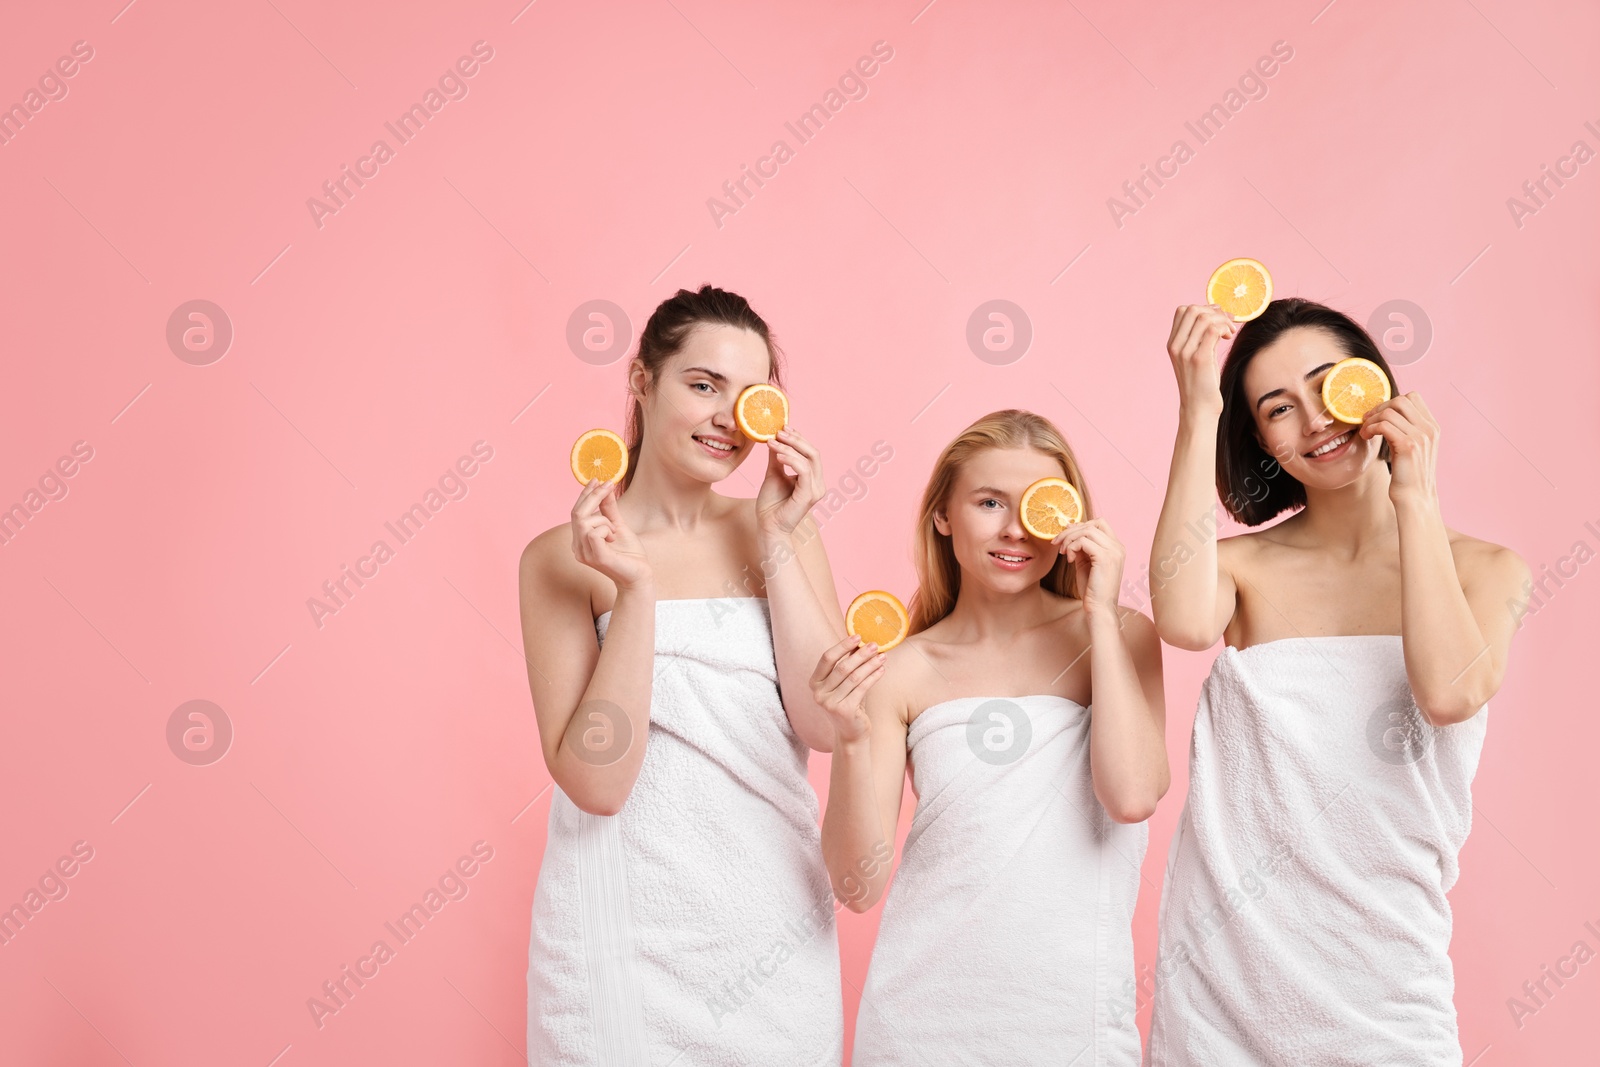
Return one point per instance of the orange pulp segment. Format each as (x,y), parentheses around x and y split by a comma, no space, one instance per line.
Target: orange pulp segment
(1241,287)
(1352,387)
(877,616)
(1049,505)
(761,411)
(599,454)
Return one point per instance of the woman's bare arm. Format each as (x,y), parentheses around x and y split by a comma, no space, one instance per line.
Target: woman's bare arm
(805,620)
(867,778)
(592,702)
(1192,596)
(1455,624)
(1128,729)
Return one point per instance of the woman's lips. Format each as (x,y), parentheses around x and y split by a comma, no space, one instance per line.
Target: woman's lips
(1342,450)
(720,453)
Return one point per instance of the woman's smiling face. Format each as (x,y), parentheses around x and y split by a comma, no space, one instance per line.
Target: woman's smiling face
(1283,385)
(982,519)
(689,419)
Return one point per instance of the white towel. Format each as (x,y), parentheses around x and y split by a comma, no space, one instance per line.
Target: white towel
(696,926)
(1304,918)
(1008,925)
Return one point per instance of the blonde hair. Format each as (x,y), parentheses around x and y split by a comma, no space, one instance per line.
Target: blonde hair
(938,572)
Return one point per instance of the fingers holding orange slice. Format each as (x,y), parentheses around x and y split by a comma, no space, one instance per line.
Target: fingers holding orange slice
(761,411)
(877,616)
(1241,287)
(1049,506)
(599,454)
(1352,387)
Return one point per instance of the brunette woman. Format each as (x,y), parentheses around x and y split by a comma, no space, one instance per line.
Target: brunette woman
(1304,917)
(682,908)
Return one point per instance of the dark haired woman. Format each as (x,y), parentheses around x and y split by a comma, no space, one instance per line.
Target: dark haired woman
(1007,936)
(1304,917)
(682,907)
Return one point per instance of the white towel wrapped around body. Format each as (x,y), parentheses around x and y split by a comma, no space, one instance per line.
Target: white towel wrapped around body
(1304,918)
(696,926)
(1006,936)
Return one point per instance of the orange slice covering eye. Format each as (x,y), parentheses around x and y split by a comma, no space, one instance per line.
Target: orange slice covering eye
(599,454)
(1352,387)
(1049,505)
(877,616)
(761,411)
(1240,287)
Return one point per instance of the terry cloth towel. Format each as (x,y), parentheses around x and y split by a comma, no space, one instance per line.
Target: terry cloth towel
(696,926)
(1304,917)
(1008,927)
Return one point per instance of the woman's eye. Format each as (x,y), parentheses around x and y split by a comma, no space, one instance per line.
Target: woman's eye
(697,385)
(1274,412)
(989,500)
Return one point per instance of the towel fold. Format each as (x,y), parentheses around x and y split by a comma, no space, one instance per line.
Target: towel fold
(1304,917)
(1008,924)
(696,926)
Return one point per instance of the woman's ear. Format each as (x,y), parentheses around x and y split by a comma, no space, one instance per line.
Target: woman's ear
(941,521)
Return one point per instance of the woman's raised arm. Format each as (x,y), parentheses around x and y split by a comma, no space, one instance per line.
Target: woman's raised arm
(1191,595)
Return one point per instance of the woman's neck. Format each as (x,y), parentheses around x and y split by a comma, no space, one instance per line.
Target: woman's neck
(656,500)
(1352,518)
(984,616)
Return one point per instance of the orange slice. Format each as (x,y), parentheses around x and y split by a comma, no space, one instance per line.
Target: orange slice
(1049,505)
(761,411)
(877,616)
(1240,287)
(599,454)
(1352,387)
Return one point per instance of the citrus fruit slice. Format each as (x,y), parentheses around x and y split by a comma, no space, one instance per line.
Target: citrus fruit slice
(761,411)
(599,454)
(877,616)
(1352,387)
(1049,505)
(1240,287)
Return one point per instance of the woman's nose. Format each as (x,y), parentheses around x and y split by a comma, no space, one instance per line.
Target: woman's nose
(1317,417)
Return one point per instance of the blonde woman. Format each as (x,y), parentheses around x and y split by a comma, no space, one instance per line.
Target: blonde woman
(1027,706)
(683,913)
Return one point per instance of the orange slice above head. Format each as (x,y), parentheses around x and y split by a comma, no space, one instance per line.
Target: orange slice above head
(761,411)
(1240,287)
(877,616)
(1352,387)
(599,454)
(1049,505)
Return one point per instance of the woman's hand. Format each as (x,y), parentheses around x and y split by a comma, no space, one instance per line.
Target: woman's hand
(602,540)
(784,500)
(1192,345)
(839,685)
(1413,437)
(1097,558)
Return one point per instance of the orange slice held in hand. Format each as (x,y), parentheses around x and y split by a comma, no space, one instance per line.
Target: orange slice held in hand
(761,411)
(1352,387)
(877,616)
(1049,506)
(599,454)
(1240,287)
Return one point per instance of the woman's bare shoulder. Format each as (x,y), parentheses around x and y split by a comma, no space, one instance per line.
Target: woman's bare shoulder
(1484,561)
(548,567)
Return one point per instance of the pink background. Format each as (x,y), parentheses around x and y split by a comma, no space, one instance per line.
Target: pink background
(431,312)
